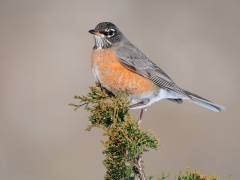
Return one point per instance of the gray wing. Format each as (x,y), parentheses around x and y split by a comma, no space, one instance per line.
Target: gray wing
(133,59)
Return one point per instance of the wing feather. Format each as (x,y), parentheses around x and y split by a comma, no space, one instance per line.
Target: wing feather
(133,59)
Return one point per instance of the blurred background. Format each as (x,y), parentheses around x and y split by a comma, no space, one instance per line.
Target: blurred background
(45,59)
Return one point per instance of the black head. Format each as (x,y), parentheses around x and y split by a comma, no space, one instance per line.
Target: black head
(106,34)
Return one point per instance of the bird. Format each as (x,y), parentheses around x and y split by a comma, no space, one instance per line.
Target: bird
(118,66)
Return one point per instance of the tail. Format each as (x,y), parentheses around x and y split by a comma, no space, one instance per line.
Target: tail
(204,102)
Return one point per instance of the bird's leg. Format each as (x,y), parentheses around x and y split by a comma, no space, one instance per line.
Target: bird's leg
(145,102)
(141,113)
(140,118)
(98,84)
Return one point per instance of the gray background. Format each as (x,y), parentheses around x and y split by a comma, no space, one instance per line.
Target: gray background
(45,51)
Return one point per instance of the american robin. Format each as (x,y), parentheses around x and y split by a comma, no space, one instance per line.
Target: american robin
(119,66)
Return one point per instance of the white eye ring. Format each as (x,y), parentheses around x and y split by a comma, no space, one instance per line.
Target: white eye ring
(111,32)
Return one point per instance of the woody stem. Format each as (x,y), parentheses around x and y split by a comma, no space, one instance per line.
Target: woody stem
(139,157)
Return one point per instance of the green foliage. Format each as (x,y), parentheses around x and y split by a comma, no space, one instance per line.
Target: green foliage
(195,175)
(164,176)
(126,140)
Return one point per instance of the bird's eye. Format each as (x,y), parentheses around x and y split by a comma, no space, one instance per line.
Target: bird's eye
(110,32)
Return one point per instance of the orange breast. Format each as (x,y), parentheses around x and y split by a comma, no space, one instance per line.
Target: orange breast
(116,78)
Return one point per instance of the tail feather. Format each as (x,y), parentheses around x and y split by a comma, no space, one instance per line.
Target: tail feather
(204,102)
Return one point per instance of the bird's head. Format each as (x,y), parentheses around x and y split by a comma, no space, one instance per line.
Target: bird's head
(106,34)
